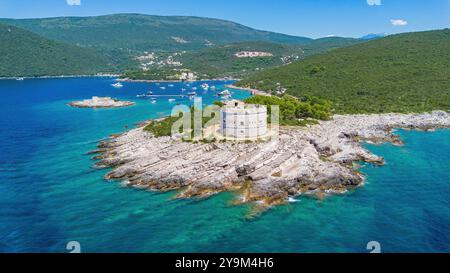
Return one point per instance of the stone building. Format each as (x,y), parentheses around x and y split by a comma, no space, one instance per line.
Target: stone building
(243,121)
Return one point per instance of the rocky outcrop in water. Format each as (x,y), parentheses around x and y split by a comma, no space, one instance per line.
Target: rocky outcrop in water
(316,160)
(100,102)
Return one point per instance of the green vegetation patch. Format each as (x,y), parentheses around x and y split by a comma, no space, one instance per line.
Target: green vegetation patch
(295,111)
(163,127)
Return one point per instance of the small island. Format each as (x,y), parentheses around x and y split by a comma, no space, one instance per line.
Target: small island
(101,102)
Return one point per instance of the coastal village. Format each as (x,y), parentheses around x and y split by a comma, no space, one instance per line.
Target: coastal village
(173,65)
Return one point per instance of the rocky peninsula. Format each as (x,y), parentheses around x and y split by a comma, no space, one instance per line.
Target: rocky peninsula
(315,160)
(101,102)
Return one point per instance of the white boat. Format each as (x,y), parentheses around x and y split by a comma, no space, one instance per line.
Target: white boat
(183,89)
(171,85)
(20,79)
(117,85)
(225,93)
(149,93)
(194,88)
(192,94)
(153,101)
(141,96)
(205,86)
(172,100)
(163,88)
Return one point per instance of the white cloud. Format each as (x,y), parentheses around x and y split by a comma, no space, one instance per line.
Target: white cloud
(399,22)
(73,2)
(374,2)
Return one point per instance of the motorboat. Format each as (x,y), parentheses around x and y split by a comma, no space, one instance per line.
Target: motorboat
(225,93)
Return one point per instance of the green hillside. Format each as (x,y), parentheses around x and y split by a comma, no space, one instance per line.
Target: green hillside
(221,61)
(138,32)
(400,73)
(23,53)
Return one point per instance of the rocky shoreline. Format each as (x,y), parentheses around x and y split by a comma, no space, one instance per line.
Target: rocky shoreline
(316,160)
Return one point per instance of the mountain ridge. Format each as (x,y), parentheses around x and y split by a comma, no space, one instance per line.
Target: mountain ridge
(146,32)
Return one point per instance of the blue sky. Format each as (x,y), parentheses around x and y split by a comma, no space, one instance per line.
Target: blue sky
(311,18)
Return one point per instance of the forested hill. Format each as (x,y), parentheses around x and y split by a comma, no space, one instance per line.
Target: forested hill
(23,53)
(147,32)
(400,73)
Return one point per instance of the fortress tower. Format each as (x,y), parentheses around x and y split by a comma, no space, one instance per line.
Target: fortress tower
(243,121)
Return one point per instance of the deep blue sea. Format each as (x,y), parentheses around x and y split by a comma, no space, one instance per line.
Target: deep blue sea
(50,194)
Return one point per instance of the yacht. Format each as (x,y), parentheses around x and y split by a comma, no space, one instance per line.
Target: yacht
(192,94)
(163,88)
(20,79)
(172,100)
(153,100)
(141,96)
(117,85)
(171,85)
(225,93)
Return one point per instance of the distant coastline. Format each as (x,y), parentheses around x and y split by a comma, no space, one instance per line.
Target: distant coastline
(62,76)
(161,81)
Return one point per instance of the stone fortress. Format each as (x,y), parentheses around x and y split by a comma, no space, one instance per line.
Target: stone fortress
(242,121)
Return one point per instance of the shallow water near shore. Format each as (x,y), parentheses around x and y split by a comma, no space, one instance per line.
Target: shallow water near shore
(50,194)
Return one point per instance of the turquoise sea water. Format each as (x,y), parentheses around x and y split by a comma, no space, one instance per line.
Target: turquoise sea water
(50,194)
